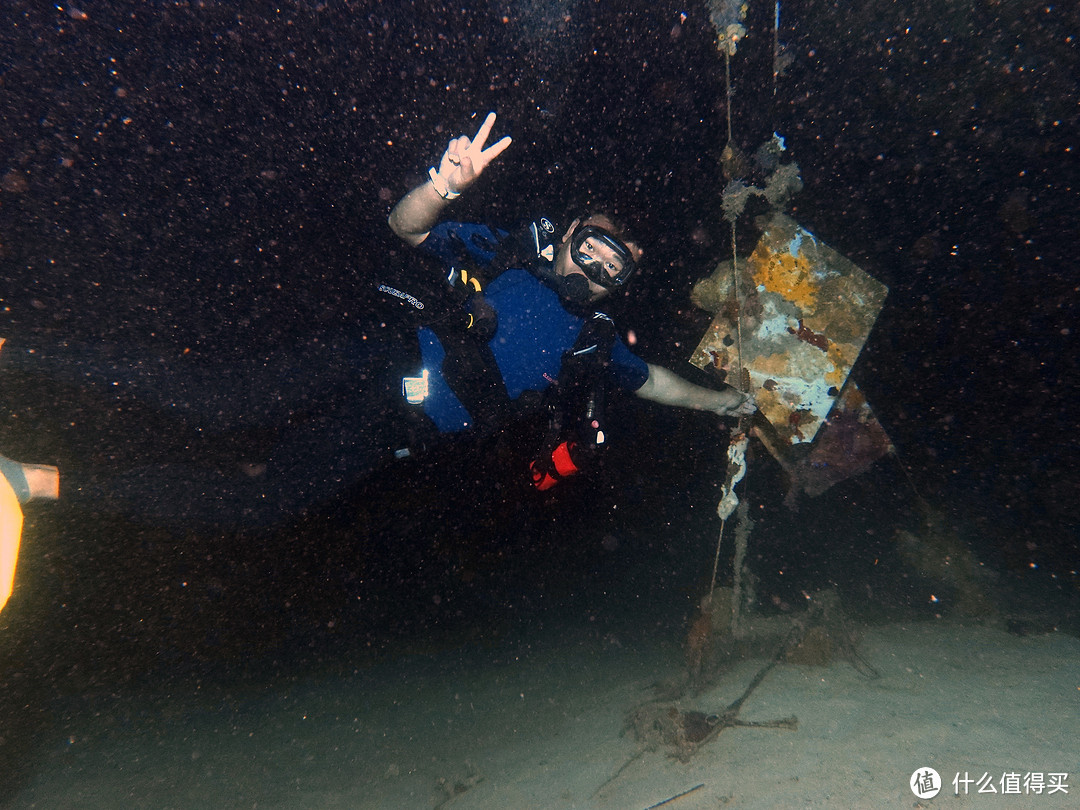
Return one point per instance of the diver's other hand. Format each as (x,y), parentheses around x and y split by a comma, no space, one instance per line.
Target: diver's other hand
(735,403)
(464,160)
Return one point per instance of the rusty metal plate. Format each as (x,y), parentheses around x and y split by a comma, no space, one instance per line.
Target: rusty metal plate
(806,313)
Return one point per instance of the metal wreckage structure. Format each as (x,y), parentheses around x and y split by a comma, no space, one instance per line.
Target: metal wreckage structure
(789,321)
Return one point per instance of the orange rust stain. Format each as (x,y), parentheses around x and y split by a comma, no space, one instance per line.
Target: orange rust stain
(776,365)
(780,272)
(841,365)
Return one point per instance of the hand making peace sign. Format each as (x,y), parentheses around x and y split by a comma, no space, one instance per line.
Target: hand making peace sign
(464,160)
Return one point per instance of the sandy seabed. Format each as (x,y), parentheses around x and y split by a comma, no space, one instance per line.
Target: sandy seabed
(543,724)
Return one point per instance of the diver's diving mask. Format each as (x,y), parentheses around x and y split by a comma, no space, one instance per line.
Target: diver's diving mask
(602,258)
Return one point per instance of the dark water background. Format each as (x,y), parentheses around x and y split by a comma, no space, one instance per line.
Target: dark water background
(214,178)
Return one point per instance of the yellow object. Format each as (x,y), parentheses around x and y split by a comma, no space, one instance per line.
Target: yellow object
(11,521)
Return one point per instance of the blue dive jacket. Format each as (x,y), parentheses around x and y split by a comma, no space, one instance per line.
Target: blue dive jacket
(534,328)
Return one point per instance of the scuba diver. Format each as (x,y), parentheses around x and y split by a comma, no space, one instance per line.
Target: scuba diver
(526,320)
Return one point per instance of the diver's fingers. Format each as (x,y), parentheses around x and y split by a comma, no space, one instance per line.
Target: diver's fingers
(495,150)
(456,153)
(458,147)
(466,170)
(465,159)
(484,131)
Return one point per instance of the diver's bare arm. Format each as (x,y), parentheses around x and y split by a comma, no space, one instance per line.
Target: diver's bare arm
(668,388)
(417,213)
(463,161)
